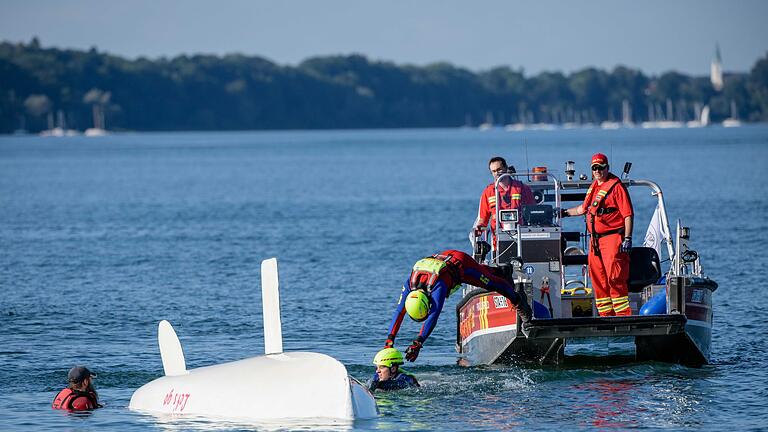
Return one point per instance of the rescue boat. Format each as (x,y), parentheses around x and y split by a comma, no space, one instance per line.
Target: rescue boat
(672,313)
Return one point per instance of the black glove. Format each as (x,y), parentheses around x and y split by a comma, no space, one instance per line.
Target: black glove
(412,352)
(390,342)
(626,245)
(563,213)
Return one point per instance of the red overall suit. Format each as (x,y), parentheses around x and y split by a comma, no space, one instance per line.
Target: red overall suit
(461,269)
(606,206)
(517,195)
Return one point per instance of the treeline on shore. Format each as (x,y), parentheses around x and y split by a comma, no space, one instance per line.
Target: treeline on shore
(40,87)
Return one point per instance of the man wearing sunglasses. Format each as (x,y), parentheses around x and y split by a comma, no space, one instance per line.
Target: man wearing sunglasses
(609,222)
(436,277)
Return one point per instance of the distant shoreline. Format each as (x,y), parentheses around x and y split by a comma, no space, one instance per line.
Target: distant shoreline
(496,131)
(71,89)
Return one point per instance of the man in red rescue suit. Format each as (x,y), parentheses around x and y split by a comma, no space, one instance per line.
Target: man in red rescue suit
(80,394)
(513,194)
(609,222)
(438,276)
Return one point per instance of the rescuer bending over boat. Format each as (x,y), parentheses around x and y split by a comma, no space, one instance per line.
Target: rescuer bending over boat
(388,375)
(609,222)
(432,280)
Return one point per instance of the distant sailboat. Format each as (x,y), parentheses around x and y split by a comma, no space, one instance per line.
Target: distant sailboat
(733,120)
(626,118)
(488,122)
(22,130)
(703,118)
(61,129)
(716,71)
(626,114)
(607,124)
(664,122)
(98,123)
(523,121)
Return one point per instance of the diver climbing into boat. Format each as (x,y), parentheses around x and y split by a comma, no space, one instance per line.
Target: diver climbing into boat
(436,277)
(388,375)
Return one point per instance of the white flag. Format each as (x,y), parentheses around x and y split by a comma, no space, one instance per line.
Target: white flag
(653,236)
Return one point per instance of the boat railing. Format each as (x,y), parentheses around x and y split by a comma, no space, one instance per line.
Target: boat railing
(514,176)
(665,231)
(551,182)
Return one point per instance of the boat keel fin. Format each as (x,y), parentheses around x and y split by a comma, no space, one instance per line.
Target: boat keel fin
(170,350)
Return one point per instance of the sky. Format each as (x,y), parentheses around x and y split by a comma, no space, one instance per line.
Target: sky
(654,36)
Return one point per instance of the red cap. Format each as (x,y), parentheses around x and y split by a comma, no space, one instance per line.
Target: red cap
(599,159)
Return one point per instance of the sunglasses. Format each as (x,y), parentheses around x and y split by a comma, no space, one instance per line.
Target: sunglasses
(598,167)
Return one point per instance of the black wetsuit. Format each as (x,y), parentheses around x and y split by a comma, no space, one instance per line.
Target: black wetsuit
(401,381)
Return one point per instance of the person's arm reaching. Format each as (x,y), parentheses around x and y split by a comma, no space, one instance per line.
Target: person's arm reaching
(439,293)
(398,315)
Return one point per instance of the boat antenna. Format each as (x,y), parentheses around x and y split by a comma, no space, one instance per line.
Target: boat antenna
(611,158)
(525,147)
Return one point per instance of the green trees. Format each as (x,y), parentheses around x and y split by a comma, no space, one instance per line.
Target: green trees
(203,92)
(757,88)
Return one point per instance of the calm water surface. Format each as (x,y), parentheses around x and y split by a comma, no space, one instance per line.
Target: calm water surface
(101,238)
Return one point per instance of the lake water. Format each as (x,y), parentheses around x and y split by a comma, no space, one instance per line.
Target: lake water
(100,238)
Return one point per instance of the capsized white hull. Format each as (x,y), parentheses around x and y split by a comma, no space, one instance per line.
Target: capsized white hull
(276,385)
(286,385)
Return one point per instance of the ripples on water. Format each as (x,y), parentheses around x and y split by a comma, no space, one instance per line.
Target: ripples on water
(101,238)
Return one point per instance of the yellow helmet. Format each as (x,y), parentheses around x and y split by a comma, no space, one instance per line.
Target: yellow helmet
(417,305)
(388,357)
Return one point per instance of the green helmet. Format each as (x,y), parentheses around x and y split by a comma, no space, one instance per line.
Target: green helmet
(388,357)
(417,305)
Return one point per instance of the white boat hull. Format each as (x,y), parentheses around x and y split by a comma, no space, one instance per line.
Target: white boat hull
(288,385)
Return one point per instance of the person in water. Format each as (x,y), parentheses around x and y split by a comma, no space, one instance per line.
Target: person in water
(388,375)
(432,280)
(80,394)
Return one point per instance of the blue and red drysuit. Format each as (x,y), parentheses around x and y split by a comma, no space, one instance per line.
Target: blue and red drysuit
(460,268)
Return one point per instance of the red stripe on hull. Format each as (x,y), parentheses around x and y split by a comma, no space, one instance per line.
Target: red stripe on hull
(484,312)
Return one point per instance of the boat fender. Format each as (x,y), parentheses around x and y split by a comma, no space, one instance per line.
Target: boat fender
(656,305)
(540,311)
